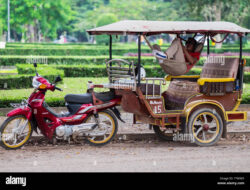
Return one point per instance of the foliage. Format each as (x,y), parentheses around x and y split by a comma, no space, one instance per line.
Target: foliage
(36,20)
(85,60)
(25,74)
(105,19)
(236,11)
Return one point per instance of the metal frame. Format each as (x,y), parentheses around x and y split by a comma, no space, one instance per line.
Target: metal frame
(139,59)
(154,96)
(241,67)
(117,72)
(110,47)
(208,46)
(240,73)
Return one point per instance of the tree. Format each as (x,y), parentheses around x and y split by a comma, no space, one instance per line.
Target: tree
(104,20)
(236,11)
(1,29)
(32,19)
(82,21)
(55,15)
(218,10)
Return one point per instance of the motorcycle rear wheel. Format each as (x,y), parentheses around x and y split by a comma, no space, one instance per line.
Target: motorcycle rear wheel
(108,122)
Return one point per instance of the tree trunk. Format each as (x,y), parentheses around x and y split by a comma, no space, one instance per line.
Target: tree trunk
(31,33)
(15,36)
(217,11)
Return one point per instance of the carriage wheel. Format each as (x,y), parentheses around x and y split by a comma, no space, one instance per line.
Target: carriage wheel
(206,126)
(162,134)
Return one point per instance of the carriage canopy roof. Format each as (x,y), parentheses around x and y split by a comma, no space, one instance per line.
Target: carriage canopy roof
(133,27)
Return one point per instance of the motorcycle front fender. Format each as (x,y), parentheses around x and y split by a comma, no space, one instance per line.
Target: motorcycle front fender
(25,111)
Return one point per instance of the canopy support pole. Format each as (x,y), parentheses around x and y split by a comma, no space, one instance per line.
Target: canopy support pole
(110,47)
(208,48)
(239,81)
(241,66)
(149,45)
(139,59)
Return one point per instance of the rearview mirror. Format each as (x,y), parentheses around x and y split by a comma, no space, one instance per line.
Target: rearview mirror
(58,79)
(143,72)
(35,65)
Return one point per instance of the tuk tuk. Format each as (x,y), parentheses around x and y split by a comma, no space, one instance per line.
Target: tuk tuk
(198,105)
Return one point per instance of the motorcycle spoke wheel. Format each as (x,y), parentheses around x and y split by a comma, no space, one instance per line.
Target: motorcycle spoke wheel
(104,133)
(15,132)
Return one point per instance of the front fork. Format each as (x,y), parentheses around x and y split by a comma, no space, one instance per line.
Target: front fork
(26,112)
(97,119)
(20,129)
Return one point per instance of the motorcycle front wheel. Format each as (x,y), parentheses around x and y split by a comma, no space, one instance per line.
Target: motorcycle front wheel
(106,131)
(15,132)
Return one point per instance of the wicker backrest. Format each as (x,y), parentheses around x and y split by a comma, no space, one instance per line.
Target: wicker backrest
(219,67)
(178,92)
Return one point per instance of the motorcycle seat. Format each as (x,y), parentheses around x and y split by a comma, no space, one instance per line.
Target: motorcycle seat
(87,97)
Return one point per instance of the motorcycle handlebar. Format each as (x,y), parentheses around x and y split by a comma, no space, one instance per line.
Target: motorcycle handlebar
(56,88)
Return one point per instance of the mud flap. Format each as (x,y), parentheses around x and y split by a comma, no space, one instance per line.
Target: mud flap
(224,132)
(183,125)
(34,124)
(117,113)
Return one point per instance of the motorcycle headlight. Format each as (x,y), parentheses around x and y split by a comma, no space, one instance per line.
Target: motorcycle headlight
(35,83)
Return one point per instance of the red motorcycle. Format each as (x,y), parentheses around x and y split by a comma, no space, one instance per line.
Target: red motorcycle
(91,116)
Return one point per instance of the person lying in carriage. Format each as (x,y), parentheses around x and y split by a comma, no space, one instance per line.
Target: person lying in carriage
(178,59)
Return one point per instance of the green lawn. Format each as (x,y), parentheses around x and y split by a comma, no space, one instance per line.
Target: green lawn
(8,71)
(246,93)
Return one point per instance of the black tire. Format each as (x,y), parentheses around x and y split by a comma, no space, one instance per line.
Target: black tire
(5,124)
(161,134)
(111,115)
(201,118)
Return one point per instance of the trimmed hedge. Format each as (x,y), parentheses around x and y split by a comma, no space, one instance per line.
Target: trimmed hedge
(20,81)
(54,102)
(41,69)
(70,52)
(67,60)
(25,76)
(93,51)
(82,60)
(100,70)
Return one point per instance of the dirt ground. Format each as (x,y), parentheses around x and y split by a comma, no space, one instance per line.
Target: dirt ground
(129,156)
(231,155)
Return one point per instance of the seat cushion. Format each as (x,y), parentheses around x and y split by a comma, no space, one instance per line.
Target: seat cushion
(79,98)
(105,96)
(87,97)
